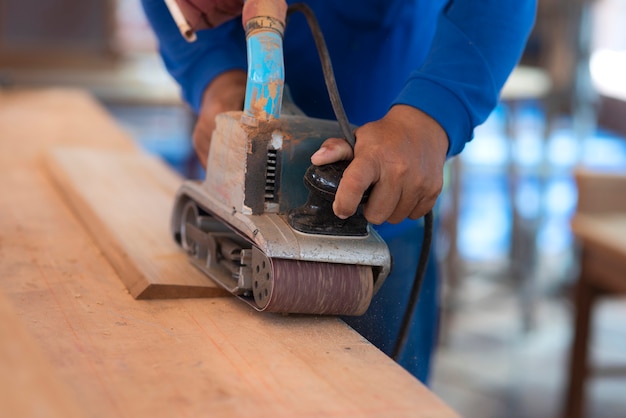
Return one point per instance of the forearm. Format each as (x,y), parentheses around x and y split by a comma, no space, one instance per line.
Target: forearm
(195,65)
(225,92)
(474,51)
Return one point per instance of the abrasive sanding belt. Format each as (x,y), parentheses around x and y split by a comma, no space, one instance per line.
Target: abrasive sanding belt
(320,288)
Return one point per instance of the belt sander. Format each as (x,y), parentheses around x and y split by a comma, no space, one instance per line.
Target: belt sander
(261,224)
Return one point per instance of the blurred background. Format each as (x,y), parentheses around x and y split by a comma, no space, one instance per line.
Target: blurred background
(510,259)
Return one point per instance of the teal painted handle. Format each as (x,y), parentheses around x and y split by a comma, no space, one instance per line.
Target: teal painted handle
(266,74)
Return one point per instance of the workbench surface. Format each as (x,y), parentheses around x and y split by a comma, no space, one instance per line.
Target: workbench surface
(74,342)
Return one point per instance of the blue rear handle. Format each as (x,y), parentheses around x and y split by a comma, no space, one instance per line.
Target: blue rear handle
(266,72)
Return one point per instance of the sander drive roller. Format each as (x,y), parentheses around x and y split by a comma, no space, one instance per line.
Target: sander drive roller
(313,287)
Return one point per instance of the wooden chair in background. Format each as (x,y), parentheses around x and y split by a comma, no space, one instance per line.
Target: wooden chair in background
(599,225)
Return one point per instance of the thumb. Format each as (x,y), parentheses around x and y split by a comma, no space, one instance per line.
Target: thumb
(332,150)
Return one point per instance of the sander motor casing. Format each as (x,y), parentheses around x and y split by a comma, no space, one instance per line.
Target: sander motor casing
(254,178)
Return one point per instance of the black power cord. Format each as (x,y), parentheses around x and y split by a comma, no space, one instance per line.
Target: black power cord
(327,68)
(340,114)
(416,288)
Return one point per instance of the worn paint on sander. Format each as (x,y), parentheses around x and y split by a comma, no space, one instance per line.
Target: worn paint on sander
(266,70)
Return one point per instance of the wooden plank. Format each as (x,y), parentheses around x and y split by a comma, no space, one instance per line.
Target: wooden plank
(125,200)
(160,358)
(34,120)
(28,384)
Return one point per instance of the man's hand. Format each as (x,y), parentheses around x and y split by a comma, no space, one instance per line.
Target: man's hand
(402,155)
(225,93)
(207,14)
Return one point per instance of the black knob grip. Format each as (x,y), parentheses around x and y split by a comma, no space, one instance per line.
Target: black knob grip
(324,179)
(316,216)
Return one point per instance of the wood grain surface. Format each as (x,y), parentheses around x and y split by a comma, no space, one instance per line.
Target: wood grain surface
(125,200)
(28,386)
(115,356)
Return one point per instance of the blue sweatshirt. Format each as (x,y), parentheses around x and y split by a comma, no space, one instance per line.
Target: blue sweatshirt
(448,58)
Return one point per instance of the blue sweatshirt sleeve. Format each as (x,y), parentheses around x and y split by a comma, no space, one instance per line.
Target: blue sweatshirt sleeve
(476,46)
(195,64)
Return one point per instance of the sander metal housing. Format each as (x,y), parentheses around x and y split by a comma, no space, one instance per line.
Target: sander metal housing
(252,226)
(235,228)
